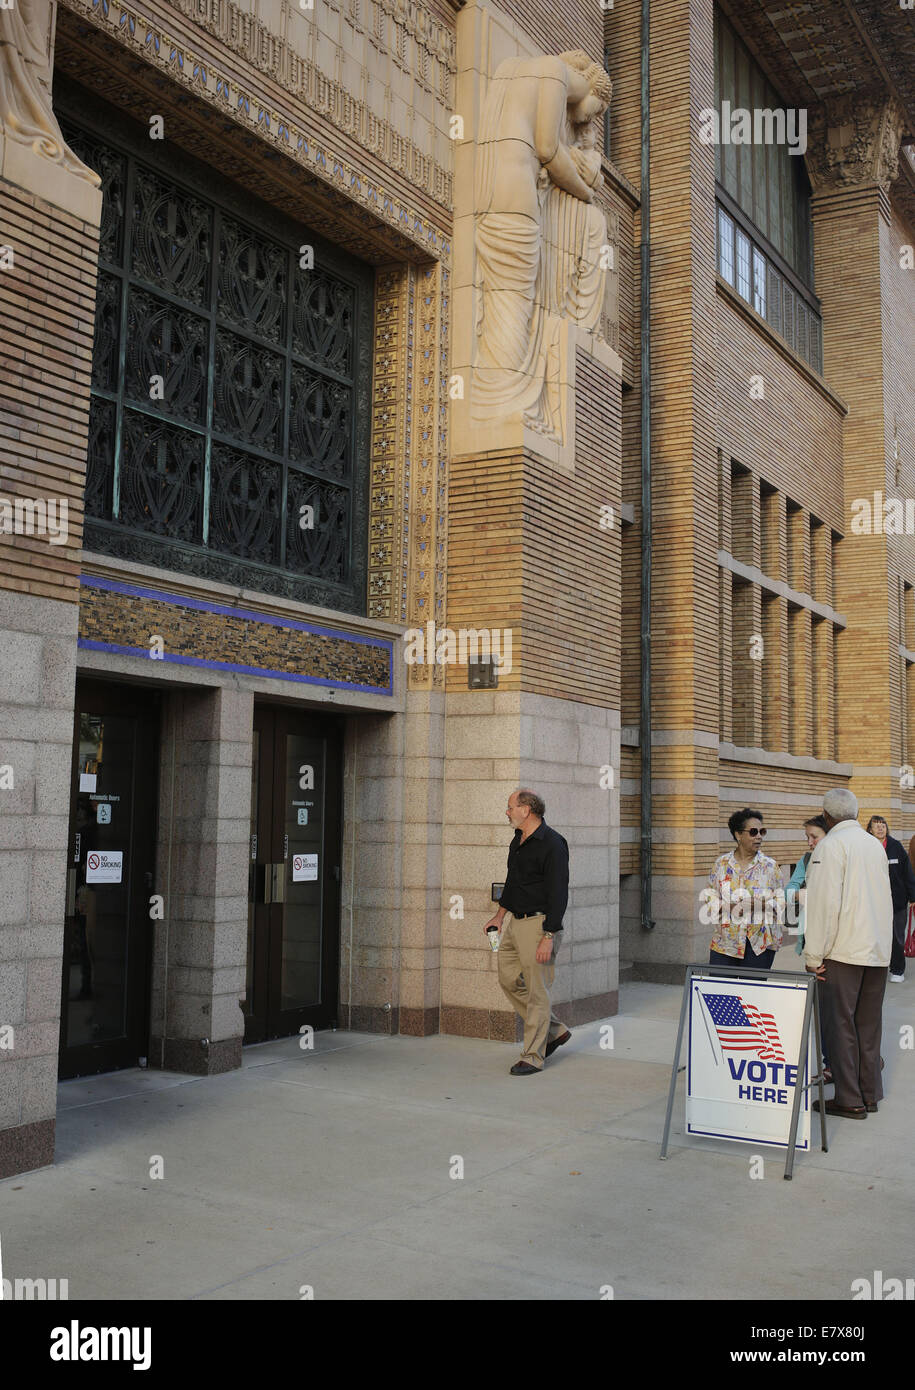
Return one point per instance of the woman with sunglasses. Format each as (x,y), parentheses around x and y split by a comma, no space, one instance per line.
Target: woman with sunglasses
(746,882)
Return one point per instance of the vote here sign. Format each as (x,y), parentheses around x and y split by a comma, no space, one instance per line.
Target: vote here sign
(744,1039)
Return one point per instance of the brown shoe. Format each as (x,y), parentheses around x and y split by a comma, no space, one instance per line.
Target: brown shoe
(558,1041)
(871,1108)
(524,1069)
(857,1113)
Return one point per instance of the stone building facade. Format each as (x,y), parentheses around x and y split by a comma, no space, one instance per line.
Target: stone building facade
(326,341)
(237,243)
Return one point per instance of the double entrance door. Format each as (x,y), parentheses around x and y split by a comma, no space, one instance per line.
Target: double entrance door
(293,881)
(293,874)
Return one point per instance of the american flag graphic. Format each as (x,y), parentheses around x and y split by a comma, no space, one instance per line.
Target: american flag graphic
(741,1027)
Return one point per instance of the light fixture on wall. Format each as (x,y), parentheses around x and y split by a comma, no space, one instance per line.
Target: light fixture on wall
(482,675)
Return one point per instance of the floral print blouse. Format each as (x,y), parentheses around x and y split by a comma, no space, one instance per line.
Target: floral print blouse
(741,918)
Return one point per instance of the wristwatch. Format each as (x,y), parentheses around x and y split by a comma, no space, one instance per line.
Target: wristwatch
(548,935)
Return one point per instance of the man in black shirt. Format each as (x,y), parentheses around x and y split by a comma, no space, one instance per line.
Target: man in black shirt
(536,893)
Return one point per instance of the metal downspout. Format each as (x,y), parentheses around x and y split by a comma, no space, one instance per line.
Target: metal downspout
(645,385)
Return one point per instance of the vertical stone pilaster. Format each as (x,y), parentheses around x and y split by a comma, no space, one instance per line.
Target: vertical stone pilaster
(49,217)
(774,685)
(373,873)
(391,958)
(427,905)
(725,664)
(745,518)
(800,739)
(38,639)
(204,818)
(746,675)
(821,564)
(848,224)
(798,550)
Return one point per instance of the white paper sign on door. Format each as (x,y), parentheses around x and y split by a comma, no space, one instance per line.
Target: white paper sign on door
(304,867)
(104,865)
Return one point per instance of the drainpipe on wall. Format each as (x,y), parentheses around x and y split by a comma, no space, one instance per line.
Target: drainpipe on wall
(645,385)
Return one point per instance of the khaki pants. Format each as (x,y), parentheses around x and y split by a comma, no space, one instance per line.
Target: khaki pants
(527,984)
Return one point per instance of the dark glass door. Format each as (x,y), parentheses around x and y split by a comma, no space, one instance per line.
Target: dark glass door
(111,857)
(294,874)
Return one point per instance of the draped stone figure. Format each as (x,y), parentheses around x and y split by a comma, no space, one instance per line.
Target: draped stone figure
(538,234)
(26,114)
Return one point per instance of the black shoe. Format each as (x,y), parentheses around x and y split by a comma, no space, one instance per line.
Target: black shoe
(524,1069)
(872,1108)
(559,1041)
(858,1113)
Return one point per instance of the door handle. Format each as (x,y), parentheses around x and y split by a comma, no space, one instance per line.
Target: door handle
(279,882)
(71,892)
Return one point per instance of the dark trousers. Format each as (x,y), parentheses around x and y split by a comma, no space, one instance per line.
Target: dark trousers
(855,1029)
(763,961)
(897,956)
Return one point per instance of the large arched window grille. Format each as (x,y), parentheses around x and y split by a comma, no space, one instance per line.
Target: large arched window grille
(229,422)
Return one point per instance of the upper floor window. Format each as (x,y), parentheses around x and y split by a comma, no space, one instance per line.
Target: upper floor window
(766,180)
(765,247)
(228,432)
(776,295)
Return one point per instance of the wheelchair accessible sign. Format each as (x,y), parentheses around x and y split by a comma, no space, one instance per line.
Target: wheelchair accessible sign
(744,1042)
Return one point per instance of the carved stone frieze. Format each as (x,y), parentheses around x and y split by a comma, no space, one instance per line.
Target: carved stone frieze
(270,54)
(854,139)
(350,186)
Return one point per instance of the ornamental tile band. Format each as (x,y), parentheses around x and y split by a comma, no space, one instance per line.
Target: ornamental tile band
(126,618)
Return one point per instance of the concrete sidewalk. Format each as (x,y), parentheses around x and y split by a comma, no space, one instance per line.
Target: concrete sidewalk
(331,1169)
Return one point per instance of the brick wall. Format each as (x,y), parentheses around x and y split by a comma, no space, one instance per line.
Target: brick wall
(847,239)
(47,306)
(526,550)
(898,322)
(47,299)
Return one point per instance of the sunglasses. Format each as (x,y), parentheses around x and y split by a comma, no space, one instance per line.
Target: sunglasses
(757,832)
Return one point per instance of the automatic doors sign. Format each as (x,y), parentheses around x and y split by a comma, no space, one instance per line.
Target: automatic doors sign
(744,1040)
(104,865)
(304,867)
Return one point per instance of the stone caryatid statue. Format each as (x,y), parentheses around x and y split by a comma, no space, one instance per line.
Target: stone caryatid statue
(26,114)
(538,234)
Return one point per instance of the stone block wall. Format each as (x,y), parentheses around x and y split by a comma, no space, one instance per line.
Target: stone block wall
(202,872)
(494,743)
(48,246)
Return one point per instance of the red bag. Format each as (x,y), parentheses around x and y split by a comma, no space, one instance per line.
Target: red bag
(909,947)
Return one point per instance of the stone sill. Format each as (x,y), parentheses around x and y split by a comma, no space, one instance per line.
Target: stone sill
(777,586)
(730,752)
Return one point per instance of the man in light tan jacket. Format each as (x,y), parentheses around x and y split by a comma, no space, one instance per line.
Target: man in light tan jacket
(848,935)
